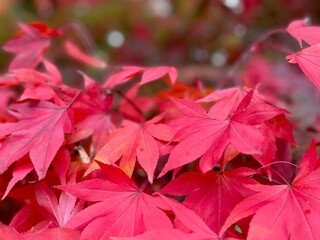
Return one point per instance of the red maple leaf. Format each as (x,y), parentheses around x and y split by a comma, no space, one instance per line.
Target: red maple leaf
(172,234)
(35,83)
(58,212)
(302,32)
(285,211)
(213,195)
(39,132)
(77,54)
(6,95)
(124,210)
(91,114)
(308,61)
(25,218)
(201,135)
(20,170)
(134,140)
(40,234)
(45,30)
(227,100)
(133,106)
(52,234)
(148,75)
(30,45)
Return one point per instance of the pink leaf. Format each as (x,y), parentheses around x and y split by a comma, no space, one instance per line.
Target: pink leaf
(76,53)
(308,61)
(21,169)
(48,200)
(301,32)
(160,234)
(148,75)
(53,234)
(201,135)
(9,233)
(29,47)
(40,133)
(272,204)
(151,74)
(123,76)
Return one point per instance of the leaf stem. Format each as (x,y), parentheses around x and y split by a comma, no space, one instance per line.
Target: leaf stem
(278,47)
(254,47)
(264,36)
(83,35)
(279,175)
(131,103)
(276,162)
(73,99)
(144,185)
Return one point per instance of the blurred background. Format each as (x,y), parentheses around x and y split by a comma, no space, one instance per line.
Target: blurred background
(198,36)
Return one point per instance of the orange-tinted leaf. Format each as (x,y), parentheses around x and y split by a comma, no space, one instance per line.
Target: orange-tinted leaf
(135,140)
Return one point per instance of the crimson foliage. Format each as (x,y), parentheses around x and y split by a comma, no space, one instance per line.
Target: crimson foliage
(184,162)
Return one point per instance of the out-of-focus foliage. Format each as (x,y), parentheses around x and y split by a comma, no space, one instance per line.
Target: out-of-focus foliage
(150,32)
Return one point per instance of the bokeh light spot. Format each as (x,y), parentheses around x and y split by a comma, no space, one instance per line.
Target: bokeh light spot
(115,38)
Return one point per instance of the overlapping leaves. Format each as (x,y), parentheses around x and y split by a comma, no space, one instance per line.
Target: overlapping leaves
(223,153)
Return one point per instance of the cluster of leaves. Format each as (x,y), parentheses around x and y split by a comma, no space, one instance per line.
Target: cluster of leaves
(187,162)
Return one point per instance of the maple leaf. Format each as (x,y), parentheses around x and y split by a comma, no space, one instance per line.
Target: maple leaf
(227,100)
(188,218)
(160,234)
(281,128)
(91,114)
(124,210)
(52,234)
(25,218)
(44,30)
(148,75)
(42,234)
(20,170)
(24,166)
(133,141)
(133,106)
(76,53)
(308,61)
(6,95)
(120,206)
(47,233)
(30,45)
(213,195)
(201,135)
(180,90)
(39,132)
(61,163)
(36,84)
(58,212)
(285,211)
(9,233)
(301,32)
